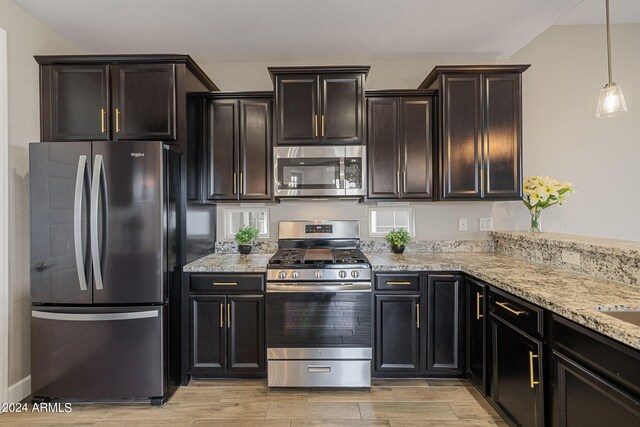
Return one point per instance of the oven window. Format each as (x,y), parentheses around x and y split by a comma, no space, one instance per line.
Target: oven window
(309,173)
(319,320)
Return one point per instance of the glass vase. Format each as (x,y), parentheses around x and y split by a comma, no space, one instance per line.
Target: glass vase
(536,222)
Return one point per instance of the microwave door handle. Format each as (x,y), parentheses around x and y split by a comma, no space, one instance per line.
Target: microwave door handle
(343,184)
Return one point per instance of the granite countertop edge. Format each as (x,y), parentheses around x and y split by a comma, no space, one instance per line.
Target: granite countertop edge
(572,295)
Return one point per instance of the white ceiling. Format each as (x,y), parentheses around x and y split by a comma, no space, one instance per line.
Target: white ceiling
(593,12)
(278,30)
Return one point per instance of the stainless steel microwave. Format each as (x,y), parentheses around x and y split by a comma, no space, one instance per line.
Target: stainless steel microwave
(311,171)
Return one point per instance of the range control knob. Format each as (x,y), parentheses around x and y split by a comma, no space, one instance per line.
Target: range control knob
(282,275)
(295,275)
(318,274)
(355,274)
(342,274)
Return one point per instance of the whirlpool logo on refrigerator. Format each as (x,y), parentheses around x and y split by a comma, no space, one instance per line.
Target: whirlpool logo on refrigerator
(137,154)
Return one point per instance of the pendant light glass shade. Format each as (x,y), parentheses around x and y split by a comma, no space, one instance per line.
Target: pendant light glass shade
(611,101)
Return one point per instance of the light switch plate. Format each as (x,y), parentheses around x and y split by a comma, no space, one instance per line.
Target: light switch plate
(486,224)
(570,257)
(462,224)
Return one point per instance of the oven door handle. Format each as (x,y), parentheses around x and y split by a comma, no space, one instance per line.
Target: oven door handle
(312,287)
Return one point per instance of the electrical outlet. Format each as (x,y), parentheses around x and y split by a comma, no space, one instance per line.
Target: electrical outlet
(570,257)
(486,224)
(462,224)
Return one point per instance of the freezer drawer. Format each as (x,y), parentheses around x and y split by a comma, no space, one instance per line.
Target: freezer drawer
(98,353)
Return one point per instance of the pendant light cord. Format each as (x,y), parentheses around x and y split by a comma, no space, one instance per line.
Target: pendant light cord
(608,45)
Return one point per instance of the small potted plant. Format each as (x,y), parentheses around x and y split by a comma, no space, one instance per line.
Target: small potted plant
(398,239)
(244,237)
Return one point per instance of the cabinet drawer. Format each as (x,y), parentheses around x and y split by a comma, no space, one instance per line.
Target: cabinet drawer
(519,313)
(319,373)
(605,356)
(226,282)
(398,282)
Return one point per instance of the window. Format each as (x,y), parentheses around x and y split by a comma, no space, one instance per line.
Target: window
(384,219)
(235,218)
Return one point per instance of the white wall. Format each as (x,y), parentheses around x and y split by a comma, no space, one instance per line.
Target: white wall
(562,137)
(26,37)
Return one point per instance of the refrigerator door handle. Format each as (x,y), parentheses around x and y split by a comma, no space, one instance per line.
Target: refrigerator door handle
(94,317)
(77,222)
(95,200)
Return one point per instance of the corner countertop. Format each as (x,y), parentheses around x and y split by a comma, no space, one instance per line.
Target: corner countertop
(572,295)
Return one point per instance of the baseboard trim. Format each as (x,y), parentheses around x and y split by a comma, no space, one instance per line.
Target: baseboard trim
(19,390)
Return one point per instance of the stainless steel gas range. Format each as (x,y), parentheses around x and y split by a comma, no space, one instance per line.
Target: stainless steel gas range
(319,321)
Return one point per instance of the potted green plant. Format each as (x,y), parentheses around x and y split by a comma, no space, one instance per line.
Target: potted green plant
(244,236)
(398,239)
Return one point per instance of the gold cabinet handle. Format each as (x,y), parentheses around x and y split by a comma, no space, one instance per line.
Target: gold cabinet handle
(102,113)
(478,315)
(241,187)
(225,283)
(398,182)
(506,307)
(418,315)
(235,181)
(531,357)
(404,181)
(322,122)
(228,315)
(398,283)
(117,120)
(315,126)
(221,315)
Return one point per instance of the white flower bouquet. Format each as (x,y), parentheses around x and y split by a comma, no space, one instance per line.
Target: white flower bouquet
(540,192)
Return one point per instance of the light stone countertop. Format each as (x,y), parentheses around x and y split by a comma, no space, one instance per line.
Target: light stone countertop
(569,294)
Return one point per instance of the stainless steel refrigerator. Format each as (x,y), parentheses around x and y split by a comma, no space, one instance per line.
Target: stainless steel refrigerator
(104,267)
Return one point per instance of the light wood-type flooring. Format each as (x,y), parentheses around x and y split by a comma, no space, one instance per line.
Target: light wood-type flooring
(250,403)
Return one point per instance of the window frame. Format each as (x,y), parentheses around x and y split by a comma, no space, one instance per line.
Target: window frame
(411,227)
(228,211)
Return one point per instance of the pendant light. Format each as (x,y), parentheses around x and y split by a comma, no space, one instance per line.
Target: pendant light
(611,101)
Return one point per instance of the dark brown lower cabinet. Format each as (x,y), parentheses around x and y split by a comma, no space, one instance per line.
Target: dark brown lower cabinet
(517,384)
(227,335)
(476,334)
(445,318)
(583,398)
(397,333)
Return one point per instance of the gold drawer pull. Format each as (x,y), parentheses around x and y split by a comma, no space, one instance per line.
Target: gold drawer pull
(102,113)
(225,283)
(531,357)
(221,315)
(506,307)
(398,283)
(117,120)
(418,315)
(315,127)
(322,120)
(228,315)
(478,315)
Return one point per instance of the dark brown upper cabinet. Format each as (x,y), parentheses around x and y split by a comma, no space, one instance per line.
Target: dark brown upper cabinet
(319,105)
(124,97)
(238,145)
(400,138)
(480,128)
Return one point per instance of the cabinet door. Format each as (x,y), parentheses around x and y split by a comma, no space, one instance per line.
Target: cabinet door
(502,100)
(461,139)
(245,323)
(222,149)
(75,102)
(144,102)
(416,145)
(582,398)
(476,335)
(444,344)
(297,109)
(517,386)
(397,345)
(383,137)
(207,349)
(341,120)
(255,149)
